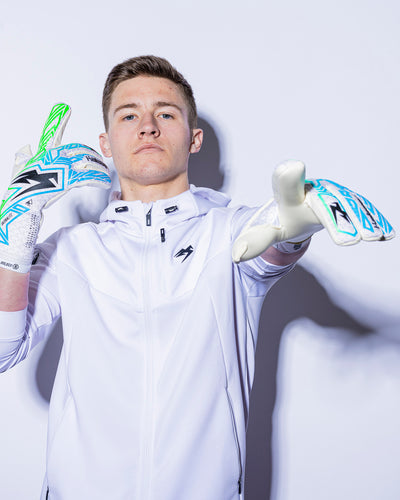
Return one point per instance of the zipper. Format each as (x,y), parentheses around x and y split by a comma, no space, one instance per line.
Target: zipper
(235,434)
(148,426)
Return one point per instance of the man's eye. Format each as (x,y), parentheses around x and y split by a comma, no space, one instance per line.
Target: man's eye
(166,116)
(129,118)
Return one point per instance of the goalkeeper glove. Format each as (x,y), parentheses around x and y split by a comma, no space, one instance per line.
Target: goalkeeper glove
(37,181)
(302,207)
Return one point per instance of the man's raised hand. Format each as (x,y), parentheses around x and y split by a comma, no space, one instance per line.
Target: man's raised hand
(37,181)
(301,207)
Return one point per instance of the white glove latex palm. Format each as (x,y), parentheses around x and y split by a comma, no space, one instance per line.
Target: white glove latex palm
(39,180)
(300,208)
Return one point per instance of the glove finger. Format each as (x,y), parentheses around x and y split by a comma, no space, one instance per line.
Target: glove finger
(387,229)
(86,166)
(254,241)
(288,183)
(59,170)
(370,223)
(83,157)
(331,212)
(53,130)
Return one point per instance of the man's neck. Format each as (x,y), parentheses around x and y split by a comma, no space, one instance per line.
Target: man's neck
(153,192)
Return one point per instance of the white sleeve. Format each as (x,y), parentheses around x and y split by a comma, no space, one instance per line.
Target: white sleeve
(12,338)
(21,331)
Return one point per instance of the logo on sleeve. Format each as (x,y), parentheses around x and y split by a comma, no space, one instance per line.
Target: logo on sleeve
(184,252)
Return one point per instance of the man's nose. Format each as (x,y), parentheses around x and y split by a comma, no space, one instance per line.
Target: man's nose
(148,126)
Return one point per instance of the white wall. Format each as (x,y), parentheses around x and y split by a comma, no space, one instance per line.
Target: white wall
(317,81)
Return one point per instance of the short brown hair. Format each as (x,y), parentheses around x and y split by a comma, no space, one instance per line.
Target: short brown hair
(151,66)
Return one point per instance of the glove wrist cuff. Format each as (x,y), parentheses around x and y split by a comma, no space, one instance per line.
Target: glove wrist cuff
(292,246)
(17,248)
(20,265)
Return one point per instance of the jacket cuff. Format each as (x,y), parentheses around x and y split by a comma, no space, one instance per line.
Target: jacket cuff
(12,324)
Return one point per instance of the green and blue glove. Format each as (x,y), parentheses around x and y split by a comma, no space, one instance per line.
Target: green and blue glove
(39,180)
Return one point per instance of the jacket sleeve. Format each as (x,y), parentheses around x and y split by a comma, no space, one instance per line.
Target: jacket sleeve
(21,331)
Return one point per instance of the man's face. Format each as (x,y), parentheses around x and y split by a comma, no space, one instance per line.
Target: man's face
(149,137)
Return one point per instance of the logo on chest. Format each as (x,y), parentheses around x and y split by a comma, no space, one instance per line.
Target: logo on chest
(184,252)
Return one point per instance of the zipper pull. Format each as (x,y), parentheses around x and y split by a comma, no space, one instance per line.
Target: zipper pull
(170,210)
(148,218)
(121,209)
(162,234)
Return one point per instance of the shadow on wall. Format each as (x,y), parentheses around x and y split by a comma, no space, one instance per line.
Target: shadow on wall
(205,167)
(297,295)
(285,302)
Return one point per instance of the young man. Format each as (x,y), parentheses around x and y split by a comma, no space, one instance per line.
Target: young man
(151,397)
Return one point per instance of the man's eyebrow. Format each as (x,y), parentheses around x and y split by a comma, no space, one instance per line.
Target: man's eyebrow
(162,104)
(124,106)
(158,104)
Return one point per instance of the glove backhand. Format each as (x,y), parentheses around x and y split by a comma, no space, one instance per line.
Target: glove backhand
(38,181)
(300,208)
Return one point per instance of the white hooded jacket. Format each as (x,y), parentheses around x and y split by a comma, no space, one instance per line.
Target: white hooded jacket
(151,396)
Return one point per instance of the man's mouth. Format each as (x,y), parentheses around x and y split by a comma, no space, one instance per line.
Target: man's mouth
(148,148)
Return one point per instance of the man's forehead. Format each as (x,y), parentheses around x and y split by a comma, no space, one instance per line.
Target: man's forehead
(147,87)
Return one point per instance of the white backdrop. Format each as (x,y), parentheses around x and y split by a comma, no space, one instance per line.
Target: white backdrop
(312,80)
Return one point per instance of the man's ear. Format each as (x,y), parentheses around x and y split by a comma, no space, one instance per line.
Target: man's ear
(105,145)
(197,140)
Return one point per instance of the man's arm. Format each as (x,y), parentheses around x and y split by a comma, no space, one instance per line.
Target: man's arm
(14,345)
(30,303)
(274,256)
(37,180)
(13,290)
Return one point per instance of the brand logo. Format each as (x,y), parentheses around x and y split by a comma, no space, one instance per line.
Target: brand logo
(8,264)
(95,160)
(184,252)
(36,181)
(336,208)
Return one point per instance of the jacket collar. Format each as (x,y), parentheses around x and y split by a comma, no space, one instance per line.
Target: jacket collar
(191,203)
